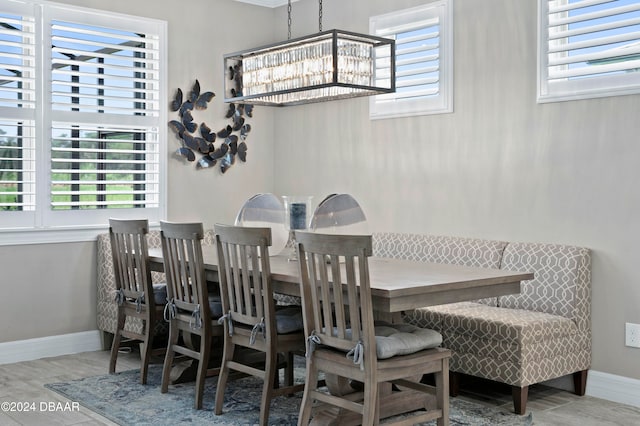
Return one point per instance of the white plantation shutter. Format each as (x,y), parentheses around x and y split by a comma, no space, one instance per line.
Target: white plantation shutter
(103,70)
(588,48)
(17,114)
(105,101)
(423,38)
(100,167)
(82,122)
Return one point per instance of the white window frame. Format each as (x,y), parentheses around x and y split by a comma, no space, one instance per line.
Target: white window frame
(574,89)
(389,25)
(44,225)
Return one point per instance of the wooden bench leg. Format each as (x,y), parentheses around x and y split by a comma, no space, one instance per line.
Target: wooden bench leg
(580,382)
(520,395)
(454,383)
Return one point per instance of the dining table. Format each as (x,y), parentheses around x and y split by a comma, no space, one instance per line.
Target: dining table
(396,285)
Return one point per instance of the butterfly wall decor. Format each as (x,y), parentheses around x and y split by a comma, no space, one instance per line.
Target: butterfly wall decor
(203,142)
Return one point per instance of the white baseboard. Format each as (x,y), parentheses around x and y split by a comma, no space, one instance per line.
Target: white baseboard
(43,347)
(613,388)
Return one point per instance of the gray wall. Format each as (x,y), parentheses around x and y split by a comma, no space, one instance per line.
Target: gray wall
(500,167)
(56,278)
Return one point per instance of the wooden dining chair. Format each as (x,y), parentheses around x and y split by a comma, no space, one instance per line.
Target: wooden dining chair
(136,296)
(343,341)
(251,318)
(189,308)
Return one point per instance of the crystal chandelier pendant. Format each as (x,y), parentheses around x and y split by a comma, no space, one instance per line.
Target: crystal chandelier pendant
(328,65)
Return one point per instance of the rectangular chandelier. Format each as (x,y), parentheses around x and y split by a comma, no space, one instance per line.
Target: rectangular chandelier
(320,67)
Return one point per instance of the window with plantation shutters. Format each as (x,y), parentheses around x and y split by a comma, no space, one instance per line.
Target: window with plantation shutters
(588,48)
(102,77)
(424,54)
(17,113)
(81,131)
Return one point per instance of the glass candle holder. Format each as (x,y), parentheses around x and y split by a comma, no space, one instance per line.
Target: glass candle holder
(297,211)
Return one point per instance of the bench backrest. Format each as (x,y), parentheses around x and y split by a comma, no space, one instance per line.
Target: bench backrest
(441,249)
(562,282)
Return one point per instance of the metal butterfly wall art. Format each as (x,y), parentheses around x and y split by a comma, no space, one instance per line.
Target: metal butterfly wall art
(201,139)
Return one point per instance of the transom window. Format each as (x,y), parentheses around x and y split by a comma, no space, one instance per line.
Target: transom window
(424,61)
(588,48)
(80,116)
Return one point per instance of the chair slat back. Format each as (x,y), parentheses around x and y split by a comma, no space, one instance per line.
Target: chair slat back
(245,274)
(336,296)
(184,266)
(130,253)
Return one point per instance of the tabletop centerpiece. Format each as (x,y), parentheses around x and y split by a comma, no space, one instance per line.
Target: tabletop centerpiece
(297,209)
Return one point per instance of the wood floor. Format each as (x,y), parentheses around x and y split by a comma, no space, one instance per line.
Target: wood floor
(23,382)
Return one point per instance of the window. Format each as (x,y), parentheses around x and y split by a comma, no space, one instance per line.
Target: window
(80,117)
(424,61)
(588,48)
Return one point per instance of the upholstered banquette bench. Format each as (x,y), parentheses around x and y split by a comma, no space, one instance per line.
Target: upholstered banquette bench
(542,333)
(107,307)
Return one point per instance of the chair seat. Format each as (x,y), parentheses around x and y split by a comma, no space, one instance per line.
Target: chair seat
(401,339)
(215,306)
(160,293)
(404,339)
(289,319)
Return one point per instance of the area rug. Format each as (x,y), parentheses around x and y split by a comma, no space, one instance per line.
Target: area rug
(122,399)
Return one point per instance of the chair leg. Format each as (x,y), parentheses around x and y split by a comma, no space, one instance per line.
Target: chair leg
(115,345)
(270,369)
(205,345)
(520,395)
(454,383)
(442,390)
(146,350)
(289,370)
(168,357)
(310,383)
(227,355)
(370,417)
(580,382)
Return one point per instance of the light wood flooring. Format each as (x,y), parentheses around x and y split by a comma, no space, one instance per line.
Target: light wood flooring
(23,382)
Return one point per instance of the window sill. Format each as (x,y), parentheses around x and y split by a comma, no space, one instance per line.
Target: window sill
(16,237)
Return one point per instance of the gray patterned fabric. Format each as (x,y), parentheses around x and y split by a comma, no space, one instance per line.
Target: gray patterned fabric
(107,309)
(438,249)
(514,346)
(562,283)
(542,333)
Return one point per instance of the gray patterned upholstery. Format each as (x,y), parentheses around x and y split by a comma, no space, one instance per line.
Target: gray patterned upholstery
(439,249)
(107,309)
(562,283)
(540,334)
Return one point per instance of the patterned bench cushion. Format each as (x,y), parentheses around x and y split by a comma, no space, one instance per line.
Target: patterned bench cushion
(432,316)
(516,326)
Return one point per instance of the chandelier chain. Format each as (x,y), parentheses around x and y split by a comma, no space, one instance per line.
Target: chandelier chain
(289,20)
(320,15)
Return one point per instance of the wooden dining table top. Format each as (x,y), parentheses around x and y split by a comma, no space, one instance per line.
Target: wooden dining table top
(396,284)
